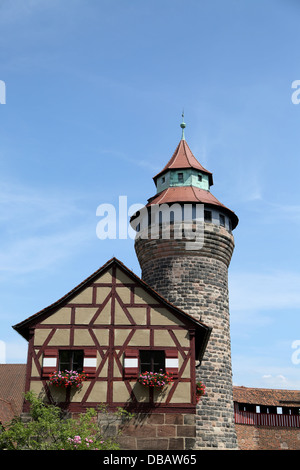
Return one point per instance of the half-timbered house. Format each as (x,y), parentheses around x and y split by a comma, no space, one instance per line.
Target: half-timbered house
(113,327)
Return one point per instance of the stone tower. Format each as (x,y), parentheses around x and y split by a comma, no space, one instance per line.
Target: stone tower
(194,278)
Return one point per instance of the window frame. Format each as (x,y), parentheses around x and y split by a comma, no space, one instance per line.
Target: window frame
(222,220)
(207,216)
(133,366)
(156,363)
(180,177)
(78,362)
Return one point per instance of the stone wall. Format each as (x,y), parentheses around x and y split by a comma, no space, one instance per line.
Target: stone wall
(145,431)
(157,431)
(267,438)
(197,282)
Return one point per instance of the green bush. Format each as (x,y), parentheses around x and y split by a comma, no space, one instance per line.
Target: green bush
(48,429)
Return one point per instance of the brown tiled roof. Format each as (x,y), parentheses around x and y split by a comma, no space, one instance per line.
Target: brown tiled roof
(185,194)
(191,194)
(12,386)
(6,412)
(265,396)
(184,158)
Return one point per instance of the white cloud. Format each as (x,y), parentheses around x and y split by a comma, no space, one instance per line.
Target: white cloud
(263,370)
(275,381)
(258,301)
(280,377)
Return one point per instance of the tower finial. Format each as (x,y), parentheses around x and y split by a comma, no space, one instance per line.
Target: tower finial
(182,125)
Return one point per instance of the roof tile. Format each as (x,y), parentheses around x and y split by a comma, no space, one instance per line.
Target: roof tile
(12,387)
(184,158)
(265,396)
(190,194)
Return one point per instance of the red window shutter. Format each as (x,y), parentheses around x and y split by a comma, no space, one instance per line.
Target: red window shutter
(90,361)
(131,364)
(172,364)
(50,362)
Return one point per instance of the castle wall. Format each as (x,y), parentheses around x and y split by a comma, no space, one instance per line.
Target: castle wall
(267,438)
(159,431)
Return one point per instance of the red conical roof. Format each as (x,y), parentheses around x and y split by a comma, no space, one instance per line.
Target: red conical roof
(184,158)
(190,194)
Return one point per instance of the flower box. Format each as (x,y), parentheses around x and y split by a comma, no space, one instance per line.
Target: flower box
(200,390)
(67,378)
(157,380)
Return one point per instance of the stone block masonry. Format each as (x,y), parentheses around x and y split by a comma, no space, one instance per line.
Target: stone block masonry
(197,282)
(158,431)
(267,438)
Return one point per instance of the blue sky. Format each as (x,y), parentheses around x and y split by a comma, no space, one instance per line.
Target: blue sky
(94,95)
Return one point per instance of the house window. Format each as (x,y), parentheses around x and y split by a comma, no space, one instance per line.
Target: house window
(222,220)
(71,360)
(180,177)
(152,361)
(199,177)
(207,216)
(163,179)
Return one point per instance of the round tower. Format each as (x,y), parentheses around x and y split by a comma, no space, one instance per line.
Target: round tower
(193,275)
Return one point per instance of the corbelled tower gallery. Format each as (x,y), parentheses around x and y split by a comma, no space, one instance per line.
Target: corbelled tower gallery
(193,275)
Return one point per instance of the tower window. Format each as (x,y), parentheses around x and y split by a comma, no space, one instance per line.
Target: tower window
(180,177)
(207,216)
(152,361)
(222,220)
